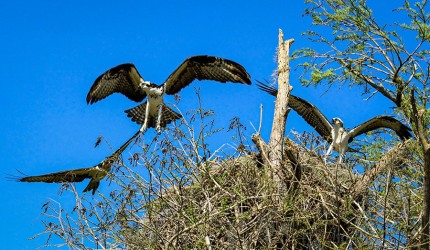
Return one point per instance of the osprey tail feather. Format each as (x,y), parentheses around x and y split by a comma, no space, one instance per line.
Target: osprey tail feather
(168,115)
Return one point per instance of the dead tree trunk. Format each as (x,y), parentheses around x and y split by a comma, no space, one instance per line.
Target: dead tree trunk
(273,151)
(420,132)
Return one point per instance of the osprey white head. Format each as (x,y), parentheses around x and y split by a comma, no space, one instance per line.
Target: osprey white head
(337,120)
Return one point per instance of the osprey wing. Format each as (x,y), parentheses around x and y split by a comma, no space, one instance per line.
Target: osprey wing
(101,170)
(96,173)
(76,175)
(306,110)
(121,149)
(312,116)
(205,68)
(124,79)
(403,131)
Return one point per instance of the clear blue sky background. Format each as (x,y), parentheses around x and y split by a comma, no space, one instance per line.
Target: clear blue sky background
(52,51)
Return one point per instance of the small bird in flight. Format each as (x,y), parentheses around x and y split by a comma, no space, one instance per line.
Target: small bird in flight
(336,134)
(125,79)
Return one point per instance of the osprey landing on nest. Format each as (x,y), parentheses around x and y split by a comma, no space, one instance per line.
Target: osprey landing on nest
(125,79)
(336,134)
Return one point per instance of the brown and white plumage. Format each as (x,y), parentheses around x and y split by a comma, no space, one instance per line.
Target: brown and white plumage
(382,121)
(95,173)
(205,68)
(309,112)
(125,79)
(336,134)
(137,114)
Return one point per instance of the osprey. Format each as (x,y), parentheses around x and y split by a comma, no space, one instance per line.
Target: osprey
(125,79)
(336,134)
(95,173)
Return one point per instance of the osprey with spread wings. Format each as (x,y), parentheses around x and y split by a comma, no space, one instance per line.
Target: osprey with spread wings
(336,134)
(125,79)
(95,173)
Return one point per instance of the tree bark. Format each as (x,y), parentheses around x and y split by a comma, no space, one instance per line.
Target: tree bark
(276,145)
(391,159)
(420,133)
(426,204)
(273,151)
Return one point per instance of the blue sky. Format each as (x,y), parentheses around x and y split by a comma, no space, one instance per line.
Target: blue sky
(53,51)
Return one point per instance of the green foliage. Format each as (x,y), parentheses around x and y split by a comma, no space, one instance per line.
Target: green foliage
(391,59)
(317,75)
(419,19)
(360,50)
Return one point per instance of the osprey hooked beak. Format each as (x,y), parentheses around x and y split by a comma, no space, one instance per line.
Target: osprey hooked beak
(337,121)
(144,84)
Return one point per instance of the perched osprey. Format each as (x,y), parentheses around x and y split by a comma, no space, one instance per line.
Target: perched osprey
(336,134)
(96,173)
(126,80)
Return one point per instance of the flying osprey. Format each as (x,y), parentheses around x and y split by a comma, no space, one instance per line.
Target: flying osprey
(336,134)
(95,173)
(125,79)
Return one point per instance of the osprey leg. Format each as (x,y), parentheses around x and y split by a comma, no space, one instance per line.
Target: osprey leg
(160,111)
(330,149)
(342,154)
(145,123)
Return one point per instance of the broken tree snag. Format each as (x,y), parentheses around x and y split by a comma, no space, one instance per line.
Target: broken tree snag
(281,109)
(394,158)
(272,153)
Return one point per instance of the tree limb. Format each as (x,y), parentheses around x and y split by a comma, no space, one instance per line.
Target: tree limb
(390,159)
